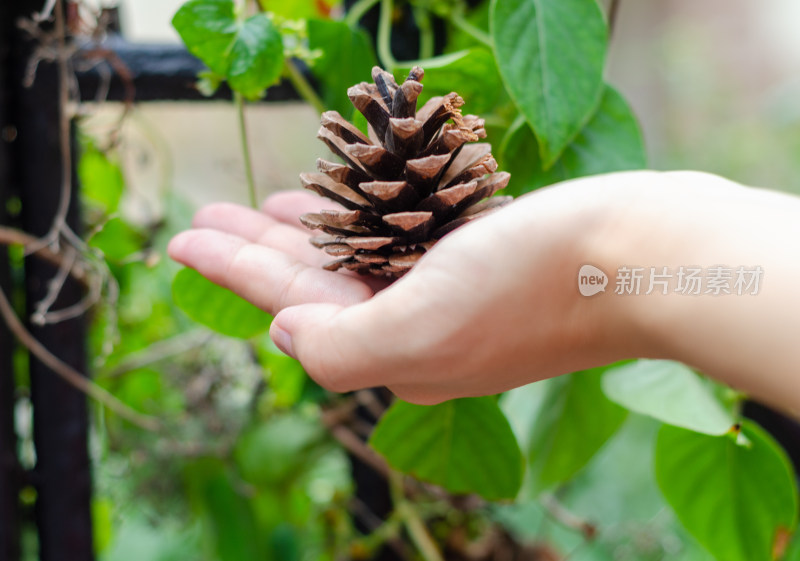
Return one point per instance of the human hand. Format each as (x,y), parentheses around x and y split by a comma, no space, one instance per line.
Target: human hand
(495,304)
(492,306)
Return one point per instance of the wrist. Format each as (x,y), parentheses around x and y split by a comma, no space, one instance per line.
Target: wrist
(623,235)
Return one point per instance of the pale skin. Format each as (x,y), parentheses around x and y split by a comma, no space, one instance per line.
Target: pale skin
(495,304)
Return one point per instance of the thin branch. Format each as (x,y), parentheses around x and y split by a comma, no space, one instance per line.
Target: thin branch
(382,532)
(69,374)
(62,55)
(426,42)
(560,514)
(54,287)
(353,444)
(303,87)
(12,236)
(60,220)
(385,36)
(238,100)
(92,297)
(613,12)
(414,524)
(358,10)
(46,12)
(458,19)
(68,265)
(368,400)
(156,352)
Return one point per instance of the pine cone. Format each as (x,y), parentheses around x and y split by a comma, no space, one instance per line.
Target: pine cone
(413,180)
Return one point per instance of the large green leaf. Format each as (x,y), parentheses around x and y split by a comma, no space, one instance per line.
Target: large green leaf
(464,445)
(217,307)
(737,500)
(346,58)
(573,421)
(670,392)
(610,141)
(471,73)
(247,53)
(551,55)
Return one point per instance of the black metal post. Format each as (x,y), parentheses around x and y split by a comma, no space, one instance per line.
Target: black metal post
(62,473)
(9,466)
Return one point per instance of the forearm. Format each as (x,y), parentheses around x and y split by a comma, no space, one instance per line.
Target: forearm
(747,335)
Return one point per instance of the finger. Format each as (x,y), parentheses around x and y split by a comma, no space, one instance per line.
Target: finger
(269,278)
(287,206)
(259,228)
(349,348)
(308,333)
(423,394)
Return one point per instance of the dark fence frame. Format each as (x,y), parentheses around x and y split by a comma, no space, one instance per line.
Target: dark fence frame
(30,163)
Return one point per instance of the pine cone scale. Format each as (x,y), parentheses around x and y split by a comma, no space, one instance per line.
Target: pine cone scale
(416,176)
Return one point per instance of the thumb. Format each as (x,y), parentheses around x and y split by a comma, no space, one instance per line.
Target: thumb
(325,345)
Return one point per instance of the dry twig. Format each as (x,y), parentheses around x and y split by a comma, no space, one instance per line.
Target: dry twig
(69,374)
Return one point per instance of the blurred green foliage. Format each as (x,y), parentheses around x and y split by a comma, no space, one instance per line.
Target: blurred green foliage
(247,468)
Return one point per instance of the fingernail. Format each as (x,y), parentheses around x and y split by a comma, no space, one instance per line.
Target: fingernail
(282,339)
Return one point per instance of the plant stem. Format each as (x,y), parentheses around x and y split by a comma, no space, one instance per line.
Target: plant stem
(303,87)
(457,19)
(385,36)
(389,530)
(238,100)
(512,128)
(64,120)
(357,11)
(414,524)
(423,20)
(613,11)
(560,514)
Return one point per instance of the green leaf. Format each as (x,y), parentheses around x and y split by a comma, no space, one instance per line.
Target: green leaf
(286,377)
(247,53)
(573,422)
(457,38)
(232,524)
(207,28)
(278,450)
(737,501)
(101,178)
(464,445)
(118,240)
(551,55)
(136,538)
(793,548)
(471,73)
(610,141)
(298,9)
(102,524)
(670,392)
(347,58)
(144,389)
(217,307)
